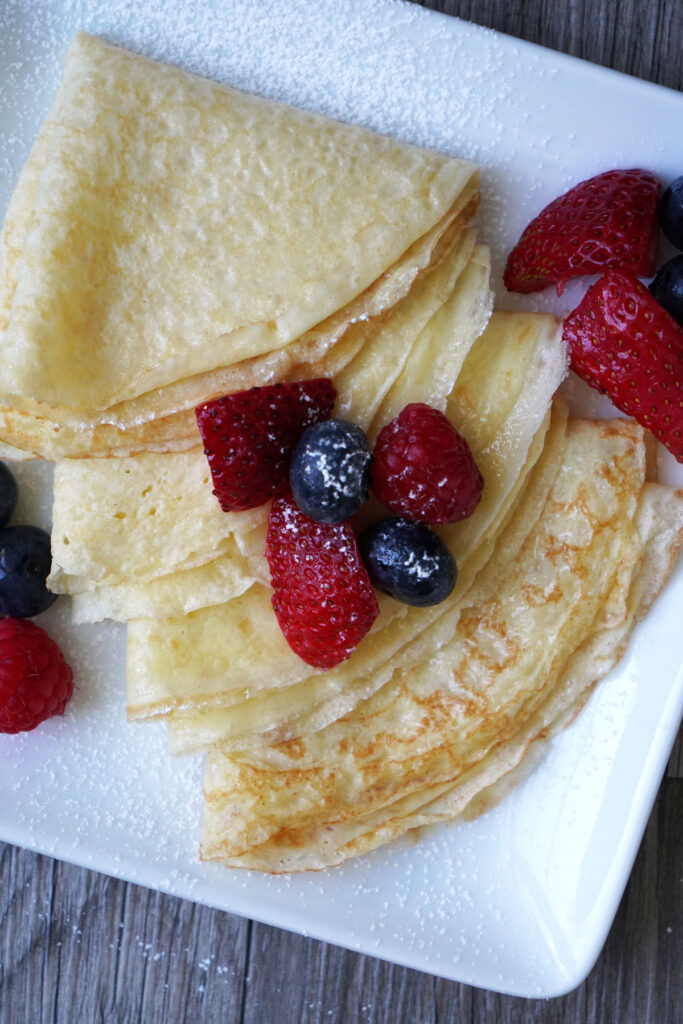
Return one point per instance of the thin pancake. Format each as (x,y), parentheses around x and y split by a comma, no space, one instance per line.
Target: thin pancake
(322,351)
(178,593)
(507,651)
(502,454)
(258,219)
(147,516)
(660,523)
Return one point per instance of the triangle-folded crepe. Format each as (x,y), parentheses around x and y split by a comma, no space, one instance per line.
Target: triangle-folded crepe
(166,227)
(120,525)
(500,401)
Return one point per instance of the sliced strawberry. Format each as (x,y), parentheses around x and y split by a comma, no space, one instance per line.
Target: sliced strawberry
(323,598)
(249,437)
(609,221)
(622,342)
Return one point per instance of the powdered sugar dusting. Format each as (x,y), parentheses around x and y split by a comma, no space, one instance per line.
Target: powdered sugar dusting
(364,64)
(497,902)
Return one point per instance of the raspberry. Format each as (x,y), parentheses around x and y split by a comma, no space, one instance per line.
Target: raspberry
(323,598)
(35,680)
(424,469)
(249,437)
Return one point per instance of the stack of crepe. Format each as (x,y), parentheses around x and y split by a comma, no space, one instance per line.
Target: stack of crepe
(171,240)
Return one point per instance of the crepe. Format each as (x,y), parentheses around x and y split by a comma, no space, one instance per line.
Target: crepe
(118,523)
(519,661)
(139,518)
(177,593)
(266,723)
(368,384)
(660,524)
(163,420)
(501,434)
(171,238)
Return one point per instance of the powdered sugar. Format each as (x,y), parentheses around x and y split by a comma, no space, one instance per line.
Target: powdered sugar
(367,64)
(90,788)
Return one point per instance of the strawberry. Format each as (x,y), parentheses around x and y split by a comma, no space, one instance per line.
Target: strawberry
(249,437)
(322,595)
(622,342)
(609,221)
(35,680)
(423,468)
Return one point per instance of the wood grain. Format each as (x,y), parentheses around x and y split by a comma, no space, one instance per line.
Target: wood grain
(76,946)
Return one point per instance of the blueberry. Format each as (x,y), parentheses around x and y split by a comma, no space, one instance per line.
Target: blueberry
(9,493)
(408,561)
(667,287)
(330,470)
(24,566)
(671,212)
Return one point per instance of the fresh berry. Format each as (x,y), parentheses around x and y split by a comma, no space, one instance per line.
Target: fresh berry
(623,343)
(249,437)
(330,470)
(667,287)
(8,494)
(607,221)
(25,562)
(423,468)
(408,561)
(671,212)
(323,598)
(35,680)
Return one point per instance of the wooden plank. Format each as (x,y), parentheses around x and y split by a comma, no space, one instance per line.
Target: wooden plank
(76,945)
(293,980)
(641,39)
(331,984)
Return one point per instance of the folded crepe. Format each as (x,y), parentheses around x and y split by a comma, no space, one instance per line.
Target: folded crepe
(171,239)
(500,400)
(523,657)
(121,524)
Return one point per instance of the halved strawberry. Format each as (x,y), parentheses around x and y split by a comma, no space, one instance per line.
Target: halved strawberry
(622,342)
(323,597)
(249,437)
(609,221)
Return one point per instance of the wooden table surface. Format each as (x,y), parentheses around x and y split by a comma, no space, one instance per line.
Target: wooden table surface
(76,946)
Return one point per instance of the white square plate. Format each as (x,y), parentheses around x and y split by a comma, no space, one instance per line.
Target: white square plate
(521,900)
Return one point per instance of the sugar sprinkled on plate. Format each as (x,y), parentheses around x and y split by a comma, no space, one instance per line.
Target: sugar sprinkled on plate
(88,786)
